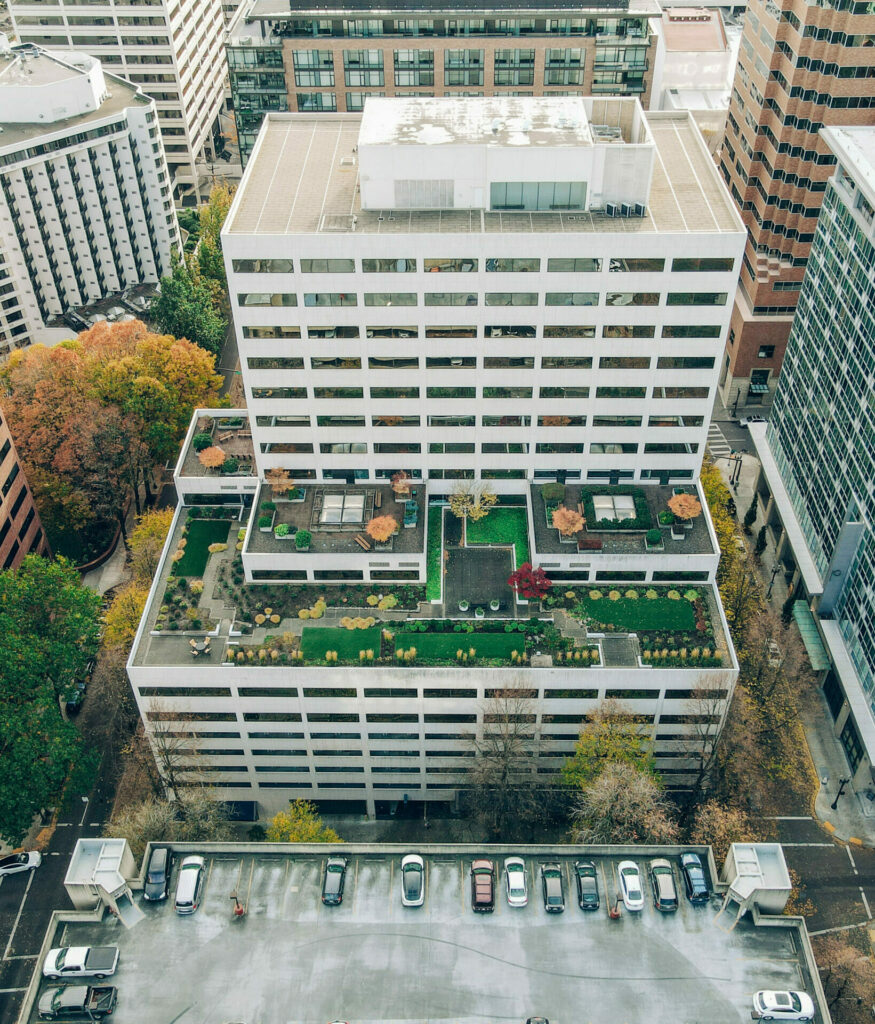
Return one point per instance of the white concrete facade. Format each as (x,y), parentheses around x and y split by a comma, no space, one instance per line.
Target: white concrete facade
(85,207)
(173,49)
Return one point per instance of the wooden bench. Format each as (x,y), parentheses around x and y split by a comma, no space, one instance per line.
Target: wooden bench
(362,543)
(378,499)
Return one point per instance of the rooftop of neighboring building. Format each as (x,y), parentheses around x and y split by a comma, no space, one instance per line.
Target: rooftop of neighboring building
(56,93)
(302,178)
(372,959)
(693,28)
(854,148)
(228,430)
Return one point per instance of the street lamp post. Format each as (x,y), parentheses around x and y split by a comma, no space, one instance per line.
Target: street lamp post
(735,403)
(776,568)
(843,781)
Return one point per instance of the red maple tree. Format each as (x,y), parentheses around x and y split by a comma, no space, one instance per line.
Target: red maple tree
(528,582)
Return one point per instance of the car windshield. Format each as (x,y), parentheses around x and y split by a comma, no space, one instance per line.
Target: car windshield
(336,868)
(62,959)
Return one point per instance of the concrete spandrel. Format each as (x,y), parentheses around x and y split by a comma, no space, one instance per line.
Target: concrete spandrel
(290,959)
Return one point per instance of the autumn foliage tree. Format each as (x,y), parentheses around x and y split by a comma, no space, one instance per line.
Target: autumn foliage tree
(300,824)
(91,417)
(471,500)
(529,583)
(567,521)
(147,540)
(685,506)
(381,528)
(279,480)
(212,457)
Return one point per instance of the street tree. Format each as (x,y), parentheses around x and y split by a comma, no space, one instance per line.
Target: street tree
(48,635)
(622,804)
(147,541)
(124,614)
(705,711)
(300,823)
(717,825)
(193,818)
(610,734)
(751,514)
(760,545)
(847,973)
(506,795)
(188,307)
(212,217)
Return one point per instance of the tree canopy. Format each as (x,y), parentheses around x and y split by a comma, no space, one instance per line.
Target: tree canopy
(48,635)
(212,217)
(612,734)
(191,306)
(623,804)
(147,541)
(91,416)
(300,824)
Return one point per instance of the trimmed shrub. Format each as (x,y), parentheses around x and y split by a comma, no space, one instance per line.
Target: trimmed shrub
(201,441)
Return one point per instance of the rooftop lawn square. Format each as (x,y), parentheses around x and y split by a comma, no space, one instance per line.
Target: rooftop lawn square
(445,645)
(644,613)
(200,534)
(502,526)
(316,640)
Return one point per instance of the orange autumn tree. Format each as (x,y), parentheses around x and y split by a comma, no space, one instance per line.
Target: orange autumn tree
(381,528)
(685,506)
(278,480)
(567,521)
(212,457)
(92,416)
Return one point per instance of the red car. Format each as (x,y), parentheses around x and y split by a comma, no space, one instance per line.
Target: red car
(483,886)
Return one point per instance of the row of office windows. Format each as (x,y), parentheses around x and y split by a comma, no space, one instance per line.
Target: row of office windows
(551,331)
(488,363)
(317,299)
(471,264)
(572,393)
(489,448)
(394,420)
(619,27)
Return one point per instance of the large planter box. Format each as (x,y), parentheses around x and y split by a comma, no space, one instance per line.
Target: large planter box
(268,529)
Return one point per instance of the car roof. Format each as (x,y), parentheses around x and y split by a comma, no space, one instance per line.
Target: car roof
(660,864)
(192,862)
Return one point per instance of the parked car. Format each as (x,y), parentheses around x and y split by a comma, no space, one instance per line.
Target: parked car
(333,882)
(782,1006)
(694,878)
(15,862)
(158,872)
(537,1020)
(551,881)
(746,421)
(665,895)
(81,962)
(77,1002)
(515,882)
(189,885)
(482,886)
(630,885)
(412,881)
(587,885)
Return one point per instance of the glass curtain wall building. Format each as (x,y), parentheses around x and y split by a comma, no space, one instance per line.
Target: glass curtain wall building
(821,437)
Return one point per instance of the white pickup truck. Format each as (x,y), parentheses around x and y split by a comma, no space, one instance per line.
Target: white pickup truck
(81,962)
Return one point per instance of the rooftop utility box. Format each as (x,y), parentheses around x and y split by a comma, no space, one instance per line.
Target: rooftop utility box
(98,876)
(758,879)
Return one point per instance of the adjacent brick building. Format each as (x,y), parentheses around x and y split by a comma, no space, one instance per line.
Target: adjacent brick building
(21,531)
(801,66)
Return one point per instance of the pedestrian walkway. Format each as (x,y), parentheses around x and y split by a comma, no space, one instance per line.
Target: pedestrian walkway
(853,818)
(718,446)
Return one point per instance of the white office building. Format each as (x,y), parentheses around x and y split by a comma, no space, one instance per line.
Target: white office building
(85,199)
(528,293)
(174,49)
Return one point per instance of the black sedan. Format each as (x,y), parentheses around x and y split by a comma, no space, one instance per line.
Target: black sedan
(587,885)
(332,884)
(158,874)
(694,878)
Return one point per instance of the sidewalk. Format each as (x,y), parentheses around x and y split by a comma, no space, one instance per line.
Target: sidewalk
(853,820)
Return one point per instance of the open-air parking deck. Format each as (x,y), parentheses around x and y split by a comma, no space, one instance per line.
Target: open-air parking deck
(291,959)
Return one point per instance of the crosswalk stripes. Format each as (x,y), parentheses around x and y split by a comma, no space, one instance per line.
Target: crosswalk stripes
(717,443)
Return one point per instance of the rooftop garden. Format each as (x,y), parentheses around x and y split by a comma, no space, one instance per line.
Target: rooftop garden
(502,526)
(220,445)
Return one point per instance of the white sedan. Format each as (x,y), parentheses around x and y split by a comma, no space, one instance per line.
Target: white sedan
(16,862)
(515,882)
(630,885)
(412,881)
(782,1006)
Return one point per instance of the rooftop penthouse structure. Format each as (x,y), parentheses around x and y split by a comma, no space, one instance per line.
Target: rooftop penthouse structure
(527,296)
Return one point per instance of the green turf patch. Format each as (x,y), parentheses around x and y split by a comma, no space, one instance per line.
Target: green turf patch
(316,640)
(502,526)
(630,616)
(434,555)
(444,645)
(201,533)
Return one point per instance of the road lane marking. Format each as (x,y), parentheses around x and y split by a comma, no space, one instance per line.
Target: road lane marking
(249,888)
(18,915)
(851,859)
(5,990)
(841,928)
(866,904)
(391,880)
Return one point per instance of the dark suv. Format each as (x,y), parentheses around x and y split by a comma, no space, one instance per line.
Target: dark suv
(551,880)
(158,874)
(695,881)
(587,885)
(332,884)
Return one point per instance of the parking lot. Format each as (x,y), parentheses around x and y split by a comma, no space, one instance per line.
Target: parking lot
(291,959)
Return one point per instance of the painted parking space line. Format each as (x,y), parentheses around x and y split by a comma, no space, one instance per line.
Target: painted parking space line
(18,915)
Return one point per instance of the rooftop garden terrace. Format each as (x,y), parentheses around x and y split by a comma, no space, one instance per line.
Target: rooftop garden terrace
(219,446)
(333,518)
(624,519)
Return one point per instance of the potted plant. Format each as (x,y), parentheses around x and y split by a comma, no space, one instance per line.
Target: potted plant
(212,457)
(685,507)
(230,465)
(568,522)
(295,494)
(494,604)
(382,529)
(265,522)
(653,540)
(479,613)
(464,605)
(302,540)
(282,531)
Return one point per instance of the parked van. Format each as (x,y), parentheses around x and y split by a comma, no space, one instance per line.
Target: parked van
(189,885)
(665,896)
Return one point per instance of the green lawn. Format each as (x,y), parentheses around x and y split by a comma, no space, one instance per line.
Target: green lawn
(201,533)
(627,615)
(502,526)
(445,645)
(434,559)
(316,640)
